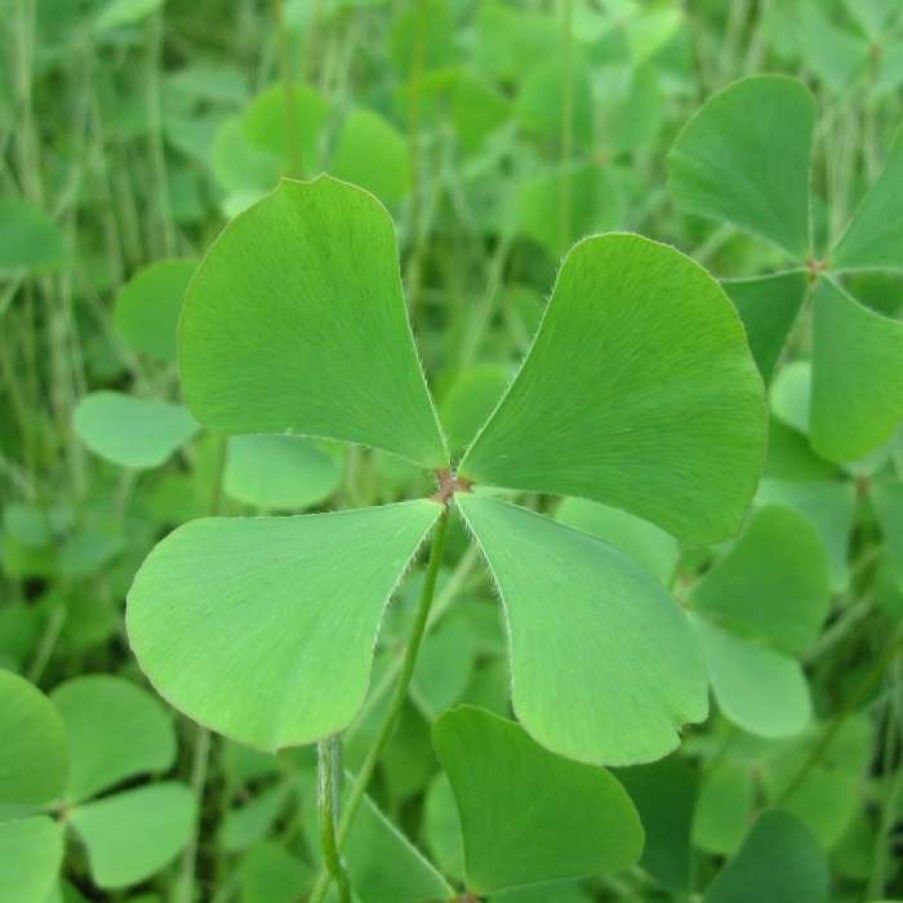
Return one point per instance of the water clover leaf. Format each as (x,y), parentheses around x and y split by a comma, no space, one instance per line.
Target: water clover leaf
(148,306)
(874,237)
(780,861)
(295,323)
(745,158)
(30,241)
(527,815)
(263,628)
(639,392)
(279,472)
(132,835)
(768,306)
(582,619)
(33,754)
(138,433)
(115,730)
(857,378)
(31,851)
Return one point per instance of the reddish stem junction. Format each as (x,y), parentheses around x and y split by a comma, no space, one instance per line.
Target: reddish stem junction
(449,484)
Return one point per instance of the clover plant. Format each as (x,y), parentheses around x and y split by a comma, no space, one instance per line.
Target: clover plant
(638,390)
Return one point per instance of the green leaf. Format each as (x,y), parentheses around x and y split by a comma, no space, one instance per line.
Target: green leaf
(138,433)
(637,538)
(745,157)
(31,852)
(612,625)
(836,56)
(252,821)
(33,754)
(887,499)
(780,861)
(469,400)
(726,802)
(791,395)
(769,307)
(266,125)
(529,816)
(772,585)
(295,323)
(665,796)
(263,628)
(116,731)
(442,827)
(372,153)
(829,507)
(118,13)
(758,689)
(639,391)
(280,472)
(539,109)
(29,240)
(857,380)
(132,835)
(270,874)
(148,307)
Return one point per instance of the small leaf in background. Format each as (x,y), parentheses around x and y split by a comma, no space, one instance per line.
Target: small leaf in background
(745,158)
(836,55)
(664,794)
(148,307)
(887,499)
(857,379)
(637,538)
(757,688)
(269,873)
(31,853)
(639,392)
(539,110)
(280,473)
(251,822)
(791,395)
(469,400)
(29,240)
(527,815)
(829,507)
(442,827)
(772,585)
(33,754)
(138,433)
(132,835)
(372,153)
(768,306)
(726,801)
(118,13)
(325,348)
(116,731)
(780,861)
(226,609)
(265,124)
(611,622)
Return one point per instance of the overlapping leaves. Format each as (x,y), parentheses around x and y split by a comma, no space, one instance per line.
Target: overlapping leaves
(745,158)
(639,391)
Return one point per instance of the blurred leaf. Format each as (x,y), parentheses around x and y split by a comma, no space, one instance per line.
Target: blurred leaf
(857,380)
(780,861)
(645,543)
(724,809)
(33,754)
(469,400)
(745,158)
(116,731)
(874,236)
(648,406)
(31,852)
(372,153)
(137,433)
(224,610)
(29,240)
(613,622)
(791,395)
(251,822)
(529,816)
(132,835)
(769,307)
(268,873)
(117,13)
(148,307)
(280,472)
(325,349)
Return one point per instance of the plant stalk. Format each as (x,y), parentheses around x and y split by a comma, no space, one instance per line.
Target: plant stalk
(367,769)
(329,784)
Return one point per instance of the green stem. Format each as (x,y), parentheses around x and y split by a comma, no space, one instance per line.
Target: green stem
(292,128)
(155,132)
(567,130)
(367,769)
(200,762)
(329,783)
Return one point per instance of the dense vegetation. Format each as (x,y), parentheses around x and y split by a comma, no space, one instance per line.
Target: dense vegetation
(513,513)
